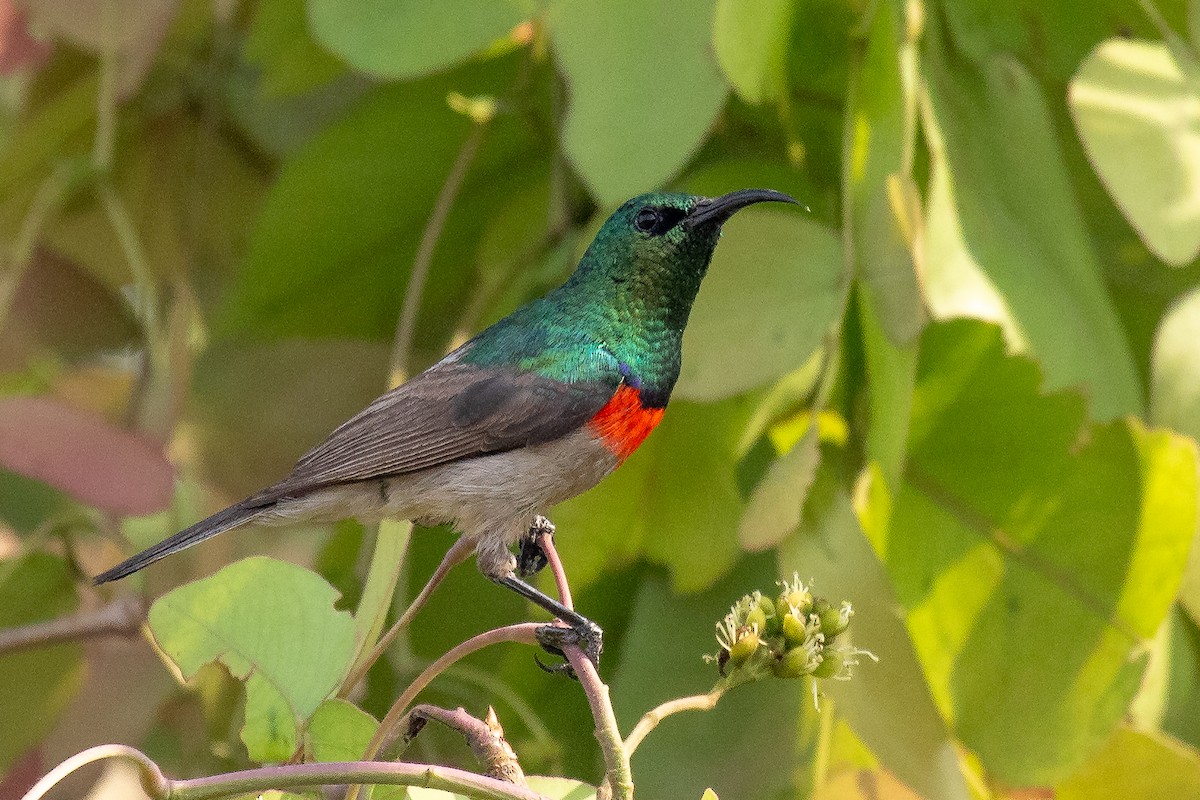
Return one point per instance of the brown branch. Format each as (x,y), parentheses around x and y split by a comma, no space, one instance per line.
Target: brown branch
(618,775)
(121,617)
(486,738)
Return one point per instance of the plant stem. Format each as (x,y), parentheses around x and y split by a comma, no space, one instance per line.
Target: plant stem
(44,204)
(457,553)
(391,543)
(401,349)
(524,632)
(121,617)
(650,720)
(286,776)
(348,772)
(617,772)
(153,781)
(485,738)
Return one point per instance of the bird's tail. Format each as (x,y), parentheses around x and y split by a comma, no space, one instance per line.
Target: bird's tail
(236,514)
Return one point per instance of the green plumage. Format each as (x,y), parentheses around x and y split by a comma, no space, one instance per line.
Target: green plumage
(623,311)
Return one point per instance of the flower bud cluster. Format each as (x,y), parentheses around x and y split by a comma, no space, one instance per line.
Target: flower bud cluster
(789,636)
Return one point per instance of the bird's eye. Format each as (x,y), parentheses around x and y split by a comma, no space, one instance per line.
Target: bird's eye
(647,219)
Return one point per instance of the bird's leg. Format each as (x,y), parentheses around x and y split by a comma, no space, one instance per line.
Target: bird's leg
(532,557)
(582,632)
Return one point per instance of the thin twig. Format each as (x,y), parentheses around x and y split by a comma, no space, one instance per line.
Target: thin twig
(524,632)
(486,738)
(617,774)
(556,568)
(253,781)
(458,553)
(153,781)
(407,324)
(121,617)
(650,720)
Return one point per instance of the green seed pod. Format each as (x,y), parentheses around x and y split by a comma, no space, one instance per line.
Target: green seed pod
(793,630)
(771,618)
(834,621)
(831,664)
(793,664)
(756,618)
(745,646)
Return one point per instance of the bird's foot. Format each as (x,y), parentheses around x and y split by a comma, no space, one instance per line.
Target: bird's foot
(584,634)
(532,558)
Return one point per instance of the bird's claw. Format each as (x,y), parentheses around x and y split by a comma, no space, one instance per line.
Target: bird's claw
(532,558)
(588,637)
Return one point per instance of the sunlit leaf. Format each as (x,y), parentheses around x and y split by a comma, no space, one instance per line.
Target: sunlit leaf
(84,455)
(773,510)
(644,89)
(1136,765)
(884,207)
(891,370)
(405,39)
(1005,239)
(887,704)
(1175,398)
(38,682)
(776,280)
(1029,589)
(293,612)
(751,39)
(339,731)
(1132,97)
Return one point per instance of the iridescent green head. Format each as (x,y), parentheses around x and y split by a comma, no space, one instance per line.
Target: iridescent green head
(665,236)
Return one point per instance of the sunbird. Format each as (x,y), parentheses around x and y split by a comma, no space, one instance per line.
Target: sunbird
(536,409)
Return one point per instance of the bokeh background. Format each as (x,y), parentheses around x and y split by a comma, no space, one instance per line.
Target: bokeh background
(959,389)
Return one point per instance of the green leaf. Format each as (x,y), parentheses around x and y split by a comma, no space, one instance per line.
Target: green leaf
(1005,238)
(751,39)
(1029,590)
(1132,97)
(280,44)
(883,211)
(776,279)
(1175,367)
(254,616)
(405,39)
(339,731)
(332,251)
(1136,765)
(675,502)
(887,704)
(891,372)
(39,682)
(773,510)
(1175,399)
(644,89)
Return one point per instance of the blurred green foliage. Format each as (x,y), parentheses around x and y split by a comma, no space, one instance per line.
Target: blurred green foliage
(962,390)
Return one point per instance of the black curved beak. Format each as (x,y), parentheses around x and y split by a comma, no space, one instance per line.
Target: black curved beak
(715,210)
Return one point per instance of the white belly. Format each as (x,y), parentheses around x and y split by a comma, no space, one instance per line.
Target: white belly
(489,499)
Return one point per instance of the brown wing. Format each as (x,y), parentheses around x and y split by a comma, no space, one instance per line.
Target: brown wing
(449,412)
